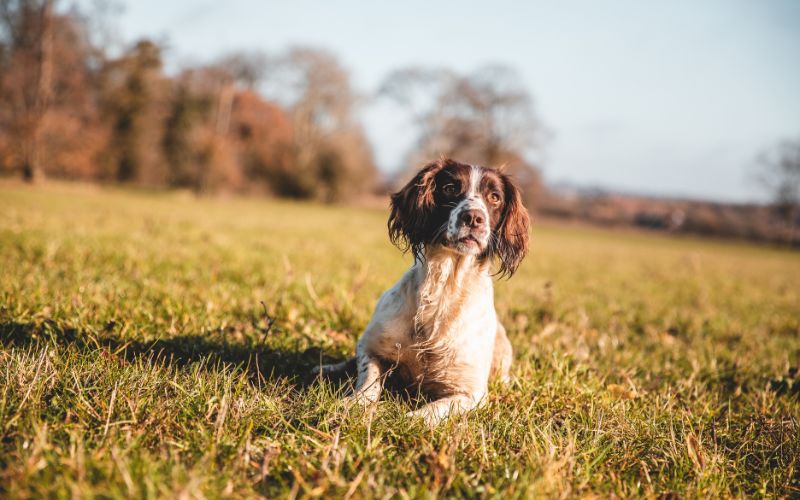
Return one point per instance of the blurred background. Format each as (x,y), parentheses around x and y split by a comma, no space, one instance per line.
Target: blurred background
(678,116)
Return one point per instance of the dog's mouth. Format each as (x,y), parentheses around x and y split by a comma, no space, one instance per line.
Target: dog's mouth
(470,241)
(468,244)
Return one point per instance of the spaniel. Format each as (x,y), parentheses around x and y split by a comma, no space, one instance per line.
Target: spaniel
(437,327)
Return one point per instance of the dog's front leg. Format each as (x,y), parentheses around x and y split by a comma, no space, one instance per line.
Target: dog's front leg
(369,382)
(436,411)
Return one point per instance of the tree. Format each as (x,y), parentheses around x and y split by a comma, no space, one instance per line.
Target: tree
(186,111)
(332,159)
(26,36)
(220,132)
(780,175)
(486,117)
(262,134)
(49,118)
(498,108)
(71,133)
(422,93)
(132,95)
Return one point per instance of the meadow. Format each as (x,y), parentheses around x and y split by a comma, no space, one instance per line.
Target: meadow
(155,344)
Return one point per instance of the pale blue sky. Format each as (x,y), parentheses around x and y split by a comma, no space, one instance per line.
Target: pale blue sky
(665,97)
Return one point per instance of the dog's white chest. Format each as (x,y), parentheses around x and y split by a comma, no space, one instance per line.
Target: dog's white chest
(435,334)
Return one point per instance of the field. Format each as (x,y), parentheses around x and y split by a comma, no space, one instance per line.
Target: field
(137,359)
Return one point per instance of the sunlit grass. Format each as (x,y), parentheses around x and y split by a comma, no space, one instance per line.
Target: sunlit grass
(136,358)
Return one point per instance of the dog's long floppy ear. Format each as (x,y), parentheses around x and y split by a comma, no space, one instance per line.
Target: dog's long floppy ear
(411,210)
(512,233)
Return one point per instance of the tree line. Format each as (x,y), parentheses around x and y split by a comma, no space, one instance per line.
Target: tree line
(285,124)
(288,124)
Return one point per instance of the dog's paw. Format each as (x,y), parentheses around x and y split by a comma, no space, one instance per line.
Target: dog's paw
(359,399)
(429,418)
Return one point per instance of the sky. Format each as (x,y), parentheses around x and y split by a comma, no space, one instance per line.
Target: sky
(672,98)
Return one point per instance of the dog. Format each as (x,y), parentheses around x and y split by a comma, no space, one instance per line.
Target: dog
(437,326)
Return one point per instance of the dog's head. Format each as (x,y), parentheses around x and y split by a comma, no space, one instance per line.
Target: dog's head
(470,209)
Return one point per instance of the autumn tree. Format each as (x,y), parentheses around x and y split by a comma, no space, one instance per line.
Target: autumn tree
(222,134)
(238,142)
(26,73)
(60,133)
(263,136)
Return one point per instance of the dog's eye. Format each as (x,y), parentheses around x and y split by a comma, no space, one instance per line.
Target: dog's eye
(449,189)
(495,197)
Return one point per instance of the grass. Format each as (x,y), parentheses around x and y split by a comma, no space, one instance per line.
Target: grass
(135,359)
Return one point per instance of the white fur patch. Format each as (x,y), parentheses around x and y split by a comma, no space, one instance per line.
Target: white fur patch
(474,182)
(473,201)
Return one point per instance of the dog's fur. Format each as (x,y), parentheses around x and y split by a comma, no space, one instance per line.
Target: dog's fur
(437,326)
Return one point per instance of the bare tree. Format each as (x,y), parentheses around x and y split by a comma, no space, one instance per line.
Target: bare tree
(496,103)
(423,93)
(316,89)
(780,174)
(26,33)
(332,156)
(486,117)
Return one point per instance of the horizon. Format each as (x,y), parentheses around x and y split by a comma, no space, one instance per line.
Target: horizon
(670,100)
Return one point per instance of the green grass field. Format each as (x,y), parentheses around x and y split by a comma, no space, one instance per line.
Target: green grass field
(135,359)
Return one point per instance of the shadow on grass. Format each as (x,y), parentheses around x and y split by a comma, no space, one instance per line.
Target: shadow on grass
(259,361)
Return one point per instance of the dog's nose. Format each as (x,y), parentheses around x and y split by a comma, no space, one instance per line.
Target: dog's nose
(472,217)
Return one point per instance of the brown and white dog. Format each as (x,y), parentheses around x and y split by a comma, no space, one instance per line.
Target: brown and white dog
(437,326)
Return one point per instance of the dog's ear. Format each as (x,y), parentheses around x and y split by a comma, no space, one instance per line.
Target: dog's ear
(411,209)
(512,232)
